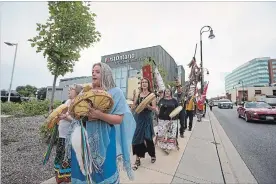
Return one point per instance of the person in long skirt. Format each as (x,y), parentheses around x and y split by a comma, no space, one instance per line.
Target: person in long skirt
(142,142)
(109,136)
(166,136)
(61,166)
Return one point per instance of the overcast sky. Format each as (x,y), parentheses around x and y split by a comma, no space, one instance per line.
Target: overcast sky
(244,30)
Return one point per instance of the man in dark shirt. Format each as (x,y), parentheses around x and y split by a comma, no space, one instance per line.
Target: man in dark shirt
(180,99)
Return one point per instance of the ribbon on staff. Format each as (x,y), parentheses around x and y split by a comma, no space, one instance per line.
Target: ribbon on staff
(196,91)
(159,80)
(202,99)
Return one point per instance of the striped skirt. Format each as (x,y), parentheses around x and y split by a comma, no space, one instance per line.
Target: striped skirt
(62,167)
(166,136)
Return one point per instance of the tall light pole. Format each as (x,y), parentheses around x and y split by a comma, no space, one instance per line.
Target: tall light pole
(12,44)
(211,36)
(207,72)
(235,87)
(241,82)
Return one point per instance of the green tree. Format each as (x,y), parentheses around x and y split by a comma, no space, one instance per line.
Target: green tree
(26,91)
(69,29)
(20,90)
(41,94)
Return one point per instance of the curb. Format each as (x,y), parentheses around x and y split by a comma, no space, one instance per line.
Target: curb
(233,167)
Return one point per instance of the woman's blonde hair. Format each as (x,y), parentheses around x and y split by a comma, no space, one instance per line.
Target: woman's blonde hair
(107,80)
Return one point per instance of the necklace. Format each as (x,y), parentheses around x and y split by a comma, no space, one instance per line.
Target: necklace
(145,93)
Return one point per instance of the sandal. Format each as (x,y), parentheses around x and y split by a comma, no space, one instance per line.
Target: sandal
(153,159)
(136,165)
(167,151)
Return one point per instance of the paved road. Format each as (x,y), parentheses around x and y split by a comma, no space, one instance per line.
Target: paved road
(255,142)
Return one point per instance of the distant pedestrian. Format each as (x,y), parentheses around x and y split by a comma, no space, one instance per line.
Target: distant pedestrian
(211,104)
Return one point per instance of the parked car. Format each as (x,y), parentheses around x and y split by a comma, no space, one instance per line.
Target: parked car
(257,111)
(225,105)
(15,97)
(222,101)
(215,102)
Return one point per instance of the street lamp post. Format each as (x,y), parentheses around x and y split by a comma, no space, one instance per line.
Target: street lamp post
(241,82)
(12,44)
(207,72)
(211,36)
(235,95)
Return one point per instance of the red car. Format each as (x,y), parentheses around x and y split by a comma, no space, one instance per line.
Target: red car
(257,111)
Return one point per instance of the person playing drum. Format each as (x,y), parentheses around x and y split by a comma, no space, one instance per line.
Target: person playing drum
(166,136)
(109,135)
(143,137)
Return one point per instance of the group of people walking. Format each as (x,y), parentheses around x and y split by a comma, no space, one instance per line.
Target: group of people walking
(167,127)
(111,134)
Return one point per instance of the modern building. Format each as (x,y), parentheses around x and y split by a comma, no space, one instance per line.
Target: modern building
(181,74)
(236,94)
(61,92)
(126,68)
(272,71)
(250,74)
(129,63)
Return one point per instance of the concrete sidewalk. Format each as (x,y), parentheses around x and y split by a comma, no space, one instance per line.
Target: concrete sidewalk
(199,163)
(206,155)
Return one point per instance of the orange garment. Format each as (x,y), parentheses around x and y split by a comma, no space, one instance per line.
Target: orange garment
(191,104)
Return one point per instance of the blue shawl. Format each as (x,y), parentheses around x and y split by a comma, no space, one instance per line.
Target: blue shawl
(98,134)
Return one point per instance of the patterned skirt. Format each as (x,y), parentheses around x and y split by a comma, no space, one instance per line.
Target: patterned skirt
(166,136)
(62,167)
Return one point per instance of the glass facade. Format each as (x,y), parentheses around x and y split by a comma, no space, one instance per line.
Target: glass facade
(181,74)
(126,64)
(252,73)
(121,74)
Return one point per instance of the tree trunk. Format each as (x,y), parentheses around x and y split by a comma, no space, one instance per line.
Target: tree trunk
(53,94)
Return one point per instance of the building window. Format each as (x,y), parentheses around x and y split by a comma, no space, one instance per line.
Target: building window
(258,92)
(123,81)
(274,92)
(118,73)
(118,83)
(113,74)
(124,91)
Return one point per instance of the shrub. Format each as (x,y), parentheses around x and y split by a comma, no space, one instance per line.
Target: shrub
(29,108)
(15,109)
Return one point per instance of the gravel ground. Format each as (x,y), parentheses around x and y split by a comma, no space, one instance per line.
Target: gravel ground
(23,150)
